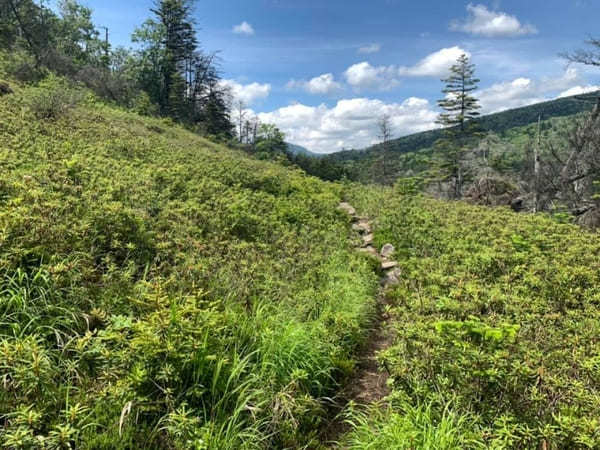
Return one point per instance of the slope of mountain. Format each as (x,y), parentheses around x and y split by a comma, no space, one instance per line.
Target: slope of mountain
(299,150)
(158,290)
(412,154)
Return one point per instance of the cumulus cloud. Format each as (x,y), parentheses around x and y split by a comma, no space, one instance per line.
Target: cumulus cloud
(435,64)
(579,90)
(371,48)
(483,22)
(526,91)
(244,28)
(351,123)
(364,75)
(322,85)
(247,93)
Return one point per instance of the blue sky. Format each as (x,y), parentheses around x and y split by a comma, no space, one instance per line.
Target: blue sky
(325,70)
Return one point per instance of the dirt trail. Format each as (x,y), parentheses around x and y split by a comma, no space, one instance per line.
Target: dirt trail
(369,383)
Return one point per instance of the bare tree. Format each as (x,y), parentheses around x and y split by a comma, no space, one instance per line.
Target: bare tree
(240,109)
(384,126)
(589,57)
(569,176)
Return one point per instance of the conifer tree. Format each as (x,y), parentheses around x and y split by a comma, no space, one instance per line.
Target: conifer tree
(459,120)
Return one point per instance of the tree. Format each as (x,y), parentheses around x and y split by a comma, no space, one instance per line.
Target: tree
(240,109)
(270,141)
(589,57)
(459,120)
(384,125)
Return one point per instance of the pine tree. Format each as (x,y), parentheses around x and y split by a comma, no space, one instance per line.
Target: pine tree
(459,119)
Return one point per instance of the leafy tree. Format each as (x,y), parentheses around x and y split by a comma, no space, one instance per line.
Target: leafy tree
(270,140)
(461,110)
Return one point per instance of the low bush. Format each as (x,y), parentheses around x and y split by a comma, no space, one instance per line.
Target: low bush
(497,316)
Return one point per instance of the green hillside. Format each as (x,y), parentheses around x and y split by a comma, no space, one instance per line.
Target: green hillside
(160,291)
(496,318)
(496,123)
(411,154)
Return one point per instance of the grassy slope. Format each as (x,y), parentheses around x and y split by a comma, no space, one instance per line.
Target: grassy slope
(159,290)
(498,318)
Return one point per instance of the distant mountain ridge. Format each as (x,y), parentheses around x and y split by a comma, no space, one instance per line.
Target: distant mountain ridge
(295,149)
(497,122)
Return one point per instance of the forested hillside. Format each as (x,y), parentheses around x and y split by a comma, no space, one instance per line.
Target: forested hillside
(410,155)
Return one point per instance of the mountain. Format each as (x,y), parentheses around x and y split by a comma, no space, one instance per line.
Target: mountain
(295,149)
(497,123)
(410,155)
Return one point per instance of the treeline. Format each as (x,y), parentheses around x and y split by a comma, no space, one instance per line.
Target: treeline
(167,74)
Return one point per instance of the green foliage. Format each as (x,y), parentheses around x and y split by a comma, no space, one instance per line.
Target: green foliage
(496,315)
(406,427)
(53,98)
(158,290)
(413,154)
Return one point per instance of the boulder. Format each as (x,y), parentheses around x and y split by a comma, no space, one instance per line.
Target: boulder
(387,265)
(492,191)
(393,277)
(5,88)
(387,250)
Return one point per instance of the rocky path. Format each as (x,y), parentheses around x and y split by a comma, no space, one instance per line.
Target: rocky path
(369,383)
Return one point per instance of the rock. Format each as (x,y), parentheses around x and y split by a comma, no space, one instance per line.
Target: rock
(368,240)
(5,88)
(517,204)
(387,250)
(387,265)
(393,277)
(369,249)
(492,191)
(363,227)
(347,208)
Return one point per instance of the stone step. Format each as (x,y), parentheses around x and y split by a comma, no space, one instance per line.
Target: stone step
(347,208)
(368,240)
(363,227)
(370,250)
(387,250)
(387,265)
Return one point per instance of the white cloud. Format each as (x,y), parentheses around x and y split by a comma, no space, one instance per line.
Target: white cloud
(525,91)
(579,90)
(481,21)
(322,85)
(351,123)
(364,75)
(248,93)
(435,64)
(244,28)
(371,48)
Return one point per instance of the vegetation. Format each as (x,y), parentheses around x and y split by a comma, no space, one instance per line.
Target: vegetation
(497,316)
(460,108)
(407,153)
(161,291)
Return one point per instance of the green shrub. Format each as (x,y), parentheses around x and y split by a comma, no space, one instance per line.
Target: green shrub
(53,98)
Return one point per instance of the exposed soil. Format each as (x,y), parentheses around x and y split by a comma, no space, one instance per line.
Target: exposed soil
(369,382)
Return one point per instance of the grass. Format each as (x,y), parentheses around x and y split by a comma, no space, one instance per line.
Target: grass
(159,290)
(497,319)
